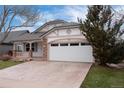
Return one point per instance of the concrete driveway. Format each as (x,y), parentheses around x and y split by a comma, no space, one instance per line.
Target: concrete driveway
(44,74)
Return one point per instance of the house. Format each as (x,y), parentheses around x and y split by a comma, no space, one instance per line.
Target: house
(55,40)
(6,44)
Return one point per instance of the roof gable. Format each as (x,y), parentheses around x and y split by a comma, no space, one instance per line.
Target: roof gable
(54,22)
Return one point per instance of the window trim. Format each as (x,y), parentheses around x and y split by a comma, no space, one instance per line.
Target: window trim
(34,47)
(19,48)
(27,46)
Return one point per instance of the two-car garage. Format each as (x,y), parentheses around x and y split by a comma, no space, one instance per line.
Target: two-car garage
(70,51)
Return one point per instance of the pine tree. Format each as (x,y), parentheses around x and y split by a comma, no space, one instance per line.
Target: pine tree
(104,34)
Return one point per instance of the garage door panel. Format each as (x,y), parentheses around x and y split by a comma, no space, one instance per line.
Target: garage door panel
(71,53)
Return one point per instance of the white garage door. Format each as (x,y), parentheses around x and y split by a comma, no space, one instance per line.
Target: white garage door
(71,52)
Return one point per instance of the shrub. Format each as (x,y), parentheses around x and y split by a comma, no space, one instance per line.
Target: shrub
(104,34)
(5,57)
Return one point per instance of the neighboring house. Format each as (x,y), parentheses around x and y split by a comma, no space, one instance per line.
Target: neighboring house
(7,46)
(56,40)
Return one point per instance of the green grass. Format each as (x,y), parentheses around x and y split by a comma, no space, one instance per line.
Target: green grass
(5,64)
(104,77)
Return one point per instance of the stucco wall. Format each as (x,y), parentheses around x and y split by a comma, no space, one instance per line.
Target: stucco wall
(48,27)
(63,33)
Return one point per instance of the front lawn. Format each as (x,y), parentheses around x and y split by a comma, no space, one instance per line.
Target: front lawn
(103,77)
(5,64)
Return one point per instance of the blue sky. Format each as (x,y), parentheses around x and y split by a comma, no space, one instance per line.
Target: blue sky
(64,12)
(68,13)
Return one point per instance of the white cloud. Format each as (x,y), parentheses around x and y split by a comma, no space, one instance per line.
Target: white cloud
(47,16)
(118,12)
(19,20)
(75,12)
(44,17)
(31,29)
(119,8)
(67,13)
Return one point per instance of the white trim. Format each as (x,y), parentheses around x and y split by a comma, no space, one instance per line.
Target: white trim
(83,49)
(63,36)
(68,40)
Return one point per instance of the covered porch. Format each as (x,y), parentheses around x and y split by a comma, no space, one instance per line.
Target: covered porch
(28,49)
(30,45)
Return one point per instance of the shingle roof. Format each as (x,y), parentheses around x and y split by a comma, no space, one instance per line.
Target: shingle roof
(50,22)
(64,23)
(12,35)
(37,35)
(30,36)
(56,21)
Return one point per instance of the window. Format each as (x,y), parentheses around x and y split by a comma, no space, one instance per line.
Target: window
(82,44)
(68,31)
(54,44)
(56,32)
(19,48)
(27,47)
(34,47)
(74,44)
(64,44)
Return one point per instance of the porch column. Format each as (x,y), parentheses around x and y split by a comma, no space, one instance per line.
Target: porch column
(30,50)
(14,50)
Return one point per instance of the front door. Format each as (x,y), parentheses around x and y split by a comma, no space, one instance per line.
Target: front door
(36,49)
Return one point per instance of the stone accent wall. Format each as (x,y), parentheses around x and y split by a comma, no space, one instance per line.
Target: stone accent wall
(14,53)
(45,47)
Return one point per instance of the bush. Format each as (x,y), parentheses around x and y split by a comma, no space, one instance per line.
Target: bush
(104,35)
(5,57)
